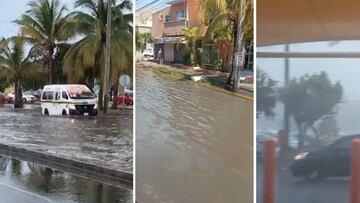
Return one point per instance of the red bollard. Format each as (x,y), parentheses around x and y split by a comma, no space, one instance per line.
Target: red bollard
(355,172)
(269,171)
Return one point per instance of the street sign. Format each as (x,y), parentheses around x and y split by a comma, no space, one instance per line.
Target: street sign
(124,80)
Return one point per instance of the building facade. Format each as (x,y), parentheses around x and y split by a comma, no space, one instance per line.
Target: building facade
(167,26)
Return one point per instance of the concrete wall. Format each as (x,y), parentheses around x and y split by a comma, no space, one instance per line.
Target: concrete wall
(193,12)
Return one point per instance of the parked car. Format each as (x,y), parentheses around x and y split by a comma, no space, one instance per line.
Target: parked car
(148,54)
(26,98)
(126,98)
(3,98)
(330,161)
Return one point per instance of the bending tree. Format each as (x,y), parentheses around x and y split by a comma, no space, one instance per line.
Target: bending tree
(309,99)
(43,26)
(265,94)
(14,66)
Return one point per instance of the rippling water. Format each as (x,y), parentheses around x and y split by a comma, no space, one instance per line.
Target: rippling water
(193,144)
(106,141)
(26,182)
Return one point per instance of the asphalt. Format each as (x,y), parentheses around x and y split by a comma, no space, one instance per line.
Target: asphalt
(296,190)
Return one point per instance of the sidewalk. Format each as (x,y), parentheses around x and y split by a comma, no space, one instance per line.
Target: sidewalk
(210,78)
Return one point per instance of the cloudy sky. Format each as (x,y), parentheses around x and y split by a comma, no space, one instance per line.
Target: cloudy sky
(11,10)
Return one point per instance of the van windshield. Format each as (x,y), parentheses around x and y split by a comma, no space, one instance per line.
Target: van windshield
(80,92)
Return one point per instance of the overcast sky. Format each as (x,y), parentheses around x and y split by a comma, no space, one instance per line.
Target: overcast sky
(11,10)
(345,70)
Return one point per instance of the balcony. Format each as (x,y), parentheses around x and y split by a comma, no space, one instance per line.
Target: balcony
(174,28)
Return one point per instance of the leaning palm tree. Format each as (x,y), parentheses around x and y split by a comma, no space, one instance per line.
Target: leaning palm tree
(88,54)
(43,25)
(234,16)
(14,66)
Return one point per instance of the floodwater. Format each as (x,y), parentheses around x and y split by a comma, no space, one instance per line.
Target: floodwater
(26,182)
(107,141)
(193,144)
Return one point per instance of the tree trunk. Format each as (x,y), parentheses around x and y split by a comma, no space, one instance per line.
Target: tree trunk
(116,90)
(240,51)
(231,75)
(18,95)
(100,98)
(51,65)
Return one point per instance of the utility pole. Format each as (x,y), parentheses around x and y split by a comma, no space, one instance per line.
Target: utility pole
(286,108)
(107,58)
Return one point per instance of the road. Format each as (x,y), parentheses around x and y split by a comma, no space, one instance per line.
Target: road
(296,190)
(106,141)
(193,144)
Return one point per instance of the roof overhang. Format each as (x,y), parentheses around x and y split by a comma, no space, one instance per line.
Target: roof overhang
(288,21)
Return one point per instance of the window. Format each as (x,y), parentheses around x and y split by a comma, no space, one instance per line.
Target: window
(180,14)
(57,95)
(48,95)
(167,18)
(64,95)
(344,144)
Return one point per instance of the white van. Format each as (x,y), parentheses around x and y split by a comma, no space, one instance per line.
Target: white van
(68,100)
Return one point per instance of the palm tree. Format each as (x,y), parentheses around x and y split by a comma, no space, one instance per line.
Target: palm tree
(44,26)
(88,54)
(190,37)
(234,16)
(14,66)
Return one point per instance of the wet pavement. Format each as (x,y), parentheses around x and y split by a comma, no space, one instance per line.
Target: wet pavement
(193,144)
(26,182)
(297,190)
(106,142)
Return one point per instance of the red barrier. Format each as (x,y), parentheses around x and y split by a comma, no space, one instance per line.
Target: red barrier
(269,171)
(355,172)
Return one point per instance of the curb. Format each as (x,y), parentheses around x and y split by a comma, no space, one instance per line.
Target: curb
(186,77)
(108,176)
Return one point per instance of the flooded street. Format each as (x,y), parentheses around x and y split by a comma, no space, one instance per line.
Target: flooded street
(26,182)
(106,141)
(193,144)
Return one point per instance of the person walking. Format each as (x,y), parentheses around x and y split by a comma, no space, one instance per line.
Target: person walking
(160,56)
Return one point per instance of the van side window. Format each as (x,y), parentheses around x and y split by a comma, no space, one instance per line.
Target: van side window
(57,95)
(64,95)
(48,95)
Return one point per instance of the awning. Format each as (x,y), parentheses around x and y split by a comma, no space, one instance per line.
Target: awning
(168,40)
(293,21)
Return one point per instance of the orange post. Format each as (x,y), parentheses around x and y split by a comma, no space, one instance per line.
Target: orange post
(269,171)
(355,172)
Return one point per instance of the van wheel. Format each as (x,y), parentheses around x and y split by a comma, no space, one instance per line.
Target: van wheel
(46,112)
(24,100)
(64,112)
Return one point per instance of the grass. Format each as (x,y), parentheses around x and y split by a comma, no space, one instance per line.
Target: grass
(214,83)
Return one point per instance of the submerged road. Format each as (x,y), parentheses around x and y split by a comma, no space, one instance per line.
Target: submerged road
(106,142)
(193,144)
(296,190)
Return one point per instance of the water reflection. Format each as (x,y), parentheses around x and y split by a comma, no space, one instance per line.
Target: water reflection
(57,186)
(105,141)
(193,144)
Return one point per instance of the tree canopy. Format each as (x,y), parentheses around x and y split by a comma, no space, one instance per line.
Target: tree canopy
(265,94)
(310,98)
